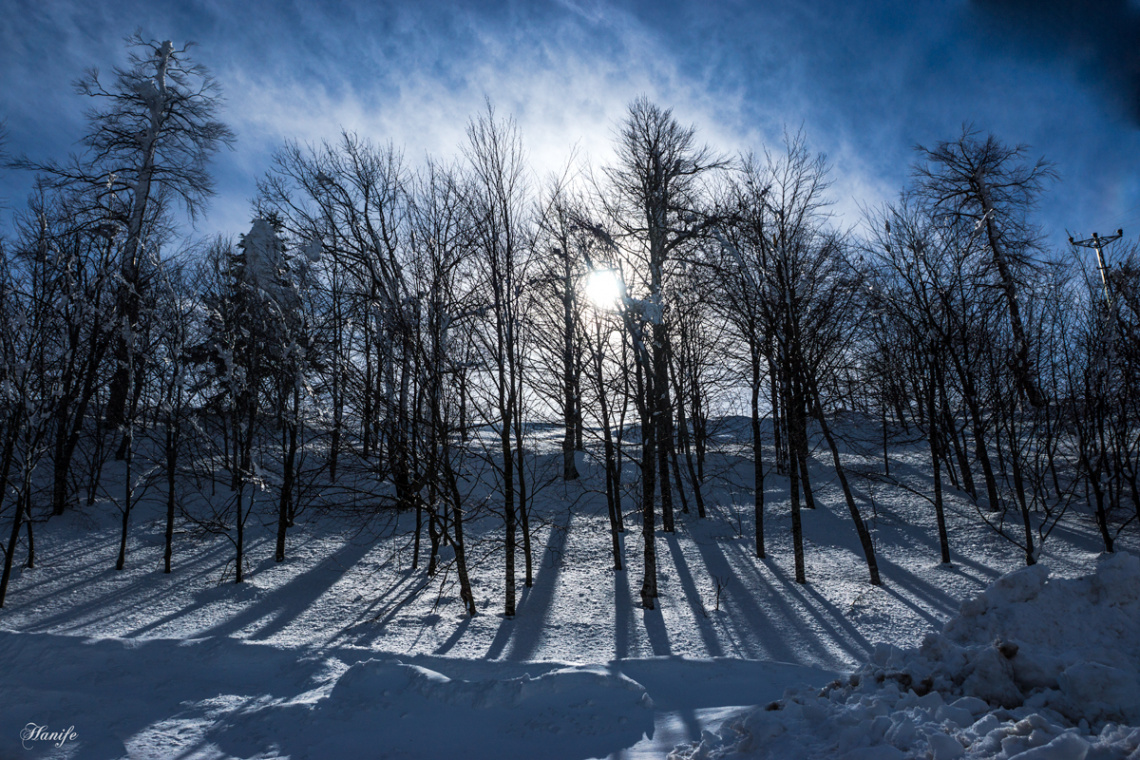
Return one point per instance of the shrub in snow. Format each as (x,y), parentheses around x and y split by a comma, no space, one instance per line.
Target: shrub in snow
(1031,669)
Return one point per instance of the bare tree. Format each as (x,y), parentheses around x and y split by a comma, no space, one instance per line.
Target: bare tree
(992,186)
(805,288)
(439,236)
(27,323)
(179,331)
(561,276)
(498,202)
(153,133)
(659,205)
(916,270)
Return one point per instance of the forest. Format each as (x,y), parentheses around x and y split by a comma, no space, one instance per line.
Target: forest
(392,338)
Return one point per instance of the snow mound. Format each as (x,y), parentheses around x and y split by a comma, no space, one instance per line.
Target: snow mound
(571,712)
(379,683)
(1033,669)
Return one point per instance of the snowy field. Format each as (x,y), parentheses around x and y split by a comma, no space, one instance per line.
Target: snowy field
(343,651)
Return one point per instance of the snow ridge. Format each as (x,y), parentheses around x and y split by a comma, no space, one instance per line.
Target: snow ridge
(1032,668)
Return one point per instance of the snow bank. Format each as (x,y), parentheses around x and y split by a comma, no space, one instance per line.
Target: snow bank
(411,711)
(1031,669)
(552,699)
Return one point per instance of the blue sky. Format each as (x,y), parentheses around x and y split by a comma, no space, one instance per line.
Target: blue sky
(866,81)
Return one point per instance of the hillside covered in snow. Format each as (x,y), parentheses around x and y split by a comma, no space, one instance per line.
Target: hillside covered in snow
(344,651)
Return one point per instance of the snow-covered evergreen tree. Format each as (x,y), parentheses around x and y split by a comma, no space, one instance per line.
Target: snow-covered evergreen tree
(258,349)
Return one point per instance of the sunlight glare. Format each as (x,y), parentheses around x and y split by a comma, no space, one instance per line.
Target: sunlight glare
(604,288)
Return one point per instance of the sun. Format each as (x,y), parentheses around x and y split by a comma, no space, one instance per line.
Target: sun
(604,288)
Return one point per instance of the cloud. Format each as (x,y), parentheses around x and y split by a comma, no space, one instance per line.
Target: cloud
(866,81)
(566,76)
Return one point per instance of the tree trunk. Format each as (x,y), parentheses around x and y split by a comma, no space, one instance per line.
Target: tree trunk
(13,539)
(757,457)
(128,498)
(570,399)
(289,475)
(509,512)
(648,489)
(239,559)
(683,434)
(172,433)
(939,512)
(524,505)
(465,592)
(860,527)
(797,524)
(1019,489)
(662,423)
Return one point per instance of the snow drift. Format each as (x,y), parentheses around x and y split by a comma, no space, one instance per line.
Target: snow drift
(411,712)
(1033,669)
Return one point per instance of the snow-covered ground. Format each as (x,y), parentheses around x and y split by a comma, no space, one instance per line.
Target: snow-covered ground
(1032,668)
(344,651)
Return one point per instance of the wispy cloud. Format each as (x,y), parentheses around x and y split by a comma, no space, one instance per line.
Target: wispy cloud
(865,80)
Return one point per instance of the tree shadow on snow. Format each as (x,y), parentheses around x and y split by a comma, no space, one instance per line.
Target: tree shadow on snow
(689,587)
(526,631)
(124,592)
(111,690)
(781,611)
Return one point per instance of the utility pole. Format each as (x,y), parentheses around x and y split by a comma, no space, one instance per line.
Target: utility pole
(1098,243)
(1107,353)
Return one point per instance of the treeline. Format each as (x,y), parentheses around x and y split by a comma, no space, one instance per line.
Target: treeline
(395,329)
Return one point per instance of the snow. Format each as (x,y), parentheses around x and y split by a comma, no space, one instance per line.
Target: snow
(572,711)
(264,265)
(219,697)
(1030,668)
(344,651)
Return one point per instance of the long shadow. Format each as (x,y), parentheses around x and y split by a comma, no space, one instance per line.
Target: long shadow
(840,628)
(502,637)
(623,613)
(955,501)
(826,527)
(837,629)
(700,614)
(454,638)
(125,597)
(775,642)
(524,633)
(934,597)
(928,600)
(287,602)
(188,611)
(538,600)
(404,591)
(922,612)
(829,617)
(655,630)
(982,575)
(44,577)
(391,601)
